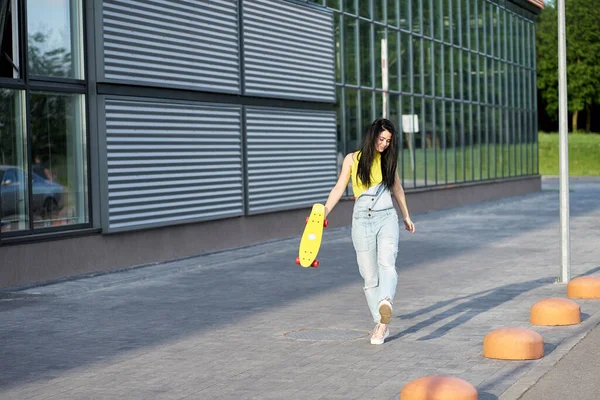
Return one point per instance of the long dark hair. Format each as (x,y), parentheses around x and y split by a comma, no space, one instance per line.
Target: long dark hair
(389,157)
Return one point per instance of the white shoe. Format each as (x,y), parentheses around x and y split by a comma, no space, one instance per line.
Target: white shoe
(385,311)
(380,333)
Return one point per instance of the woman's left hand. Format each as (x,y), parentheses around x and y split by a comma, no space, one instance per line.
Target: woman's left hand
(409,225)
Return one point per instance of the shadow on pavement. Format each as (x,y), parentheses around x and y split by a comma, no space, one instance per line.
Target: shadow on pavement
(464,311)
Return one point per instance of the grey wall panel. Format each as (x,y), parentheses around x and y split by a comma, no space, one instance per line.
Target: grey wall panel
(288,51)
(188,44)
(171,163)
(292,158)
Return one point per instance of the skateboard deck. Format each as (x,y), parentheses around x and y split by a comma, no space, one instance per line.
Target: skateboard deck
(311,238)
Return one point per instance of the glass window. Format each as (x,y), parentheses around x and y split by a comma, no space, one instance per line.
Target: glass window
(338,117)
(55,38)
(419,142)
(350,58)
(532,45)
(58,142)
(405,13)
(475,77)
(393,60)
(491,88)
(381,48)
(450,120)
(491,25)
(364,8)
(333,4)
(431,144)
(366,73)
(492,141)
(502,34)
(393,12)
(338,47)
(14,204)
(379,10)
(457,77)
(428,17)
(448,70)
(366,109)
(456,35)
(428,67)
(466,75)
(9,61)
(406,62)
(409,128)
(417,51)
(394,112)
(439,68)
(447,20)
(509,38)
(481,23)
(465,18)
(438,20)
(380,99)
(485,141)
(352,126)
(473,24)
(482,80)
(416,16)
(498,80)
(350,6)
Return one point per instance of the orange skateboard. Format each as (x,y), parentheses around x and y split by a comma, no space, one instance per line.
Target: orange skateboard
(311,238)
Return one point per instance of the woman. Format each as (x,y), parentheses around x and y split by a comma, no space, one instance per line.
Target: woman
(375,230)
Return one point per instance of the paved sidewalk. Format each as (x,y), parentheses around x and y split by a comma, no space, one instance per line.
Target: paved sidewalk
(222,326)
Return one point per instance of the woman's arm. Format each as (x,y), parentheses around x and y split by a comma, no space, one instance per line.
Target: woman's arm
(340,187)
(401,200)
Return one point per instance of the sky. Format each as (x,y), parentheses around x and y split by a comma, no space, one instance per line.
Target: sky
(50,16)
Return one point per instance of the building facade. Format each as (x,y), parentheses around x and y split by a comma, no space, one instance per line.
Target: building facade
(140,131)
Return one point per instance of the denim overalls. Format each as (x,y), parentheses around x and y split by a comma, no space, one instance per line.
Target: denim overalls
(375,234)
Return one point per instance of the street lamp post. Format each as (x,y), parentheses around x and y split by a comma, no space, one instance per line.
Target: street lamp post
(565,267)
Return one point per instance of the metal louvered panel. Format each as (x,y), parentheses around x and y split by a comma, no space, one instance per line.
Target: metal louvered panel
(171,163)
(288,51)
(292,157)
(172,43)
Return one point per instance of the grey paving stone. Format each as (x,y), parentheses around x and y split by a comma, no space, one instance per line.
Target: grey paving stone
(212,327)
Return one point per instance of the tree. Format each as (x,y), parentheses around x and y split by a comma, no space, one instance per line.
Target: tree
(55,62)
(583,57)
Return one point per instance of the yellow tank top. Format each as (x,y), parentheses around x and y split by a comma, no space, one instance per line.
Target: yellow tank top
(376,175)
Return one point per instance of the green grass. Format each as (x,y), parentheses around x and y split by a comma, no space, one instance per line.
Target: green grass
(584,154)
(480,162)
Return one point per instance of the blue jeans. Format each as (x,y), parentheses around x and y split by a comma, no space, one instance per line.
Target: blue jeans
(375,235)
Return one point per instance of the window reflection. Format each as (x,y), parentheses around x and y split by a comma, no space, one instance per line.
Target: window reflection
(59,159)
(14,207)
(55,38)
(472,89)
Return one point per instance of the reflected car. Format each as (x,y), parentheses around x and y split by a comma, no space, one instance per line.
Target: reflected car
(48,197)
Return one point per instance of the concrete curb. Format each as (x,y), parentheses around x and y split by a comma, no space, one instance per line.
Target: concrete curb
(540,369)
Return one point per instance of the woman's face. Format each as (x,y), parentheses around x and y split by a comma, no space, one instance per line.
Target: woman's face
(383,141)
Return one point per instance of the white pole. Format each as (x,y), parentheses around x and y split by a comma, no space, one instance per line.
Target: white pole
(384,76)
(565,266)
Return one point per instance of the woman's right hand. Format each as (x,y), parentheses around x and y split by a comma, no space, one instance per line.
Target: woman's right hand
(408,224)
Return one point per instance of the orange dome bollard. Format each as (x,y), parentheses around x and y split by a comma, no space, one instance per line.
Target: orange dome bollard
(438,388)
(584,287)
(555,312)
(513,344)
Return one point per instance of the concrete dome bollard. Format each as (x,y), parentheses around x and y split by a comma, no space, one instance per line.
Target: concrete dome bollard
(555,312)
(584,287)
(513,344)
(438,387)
